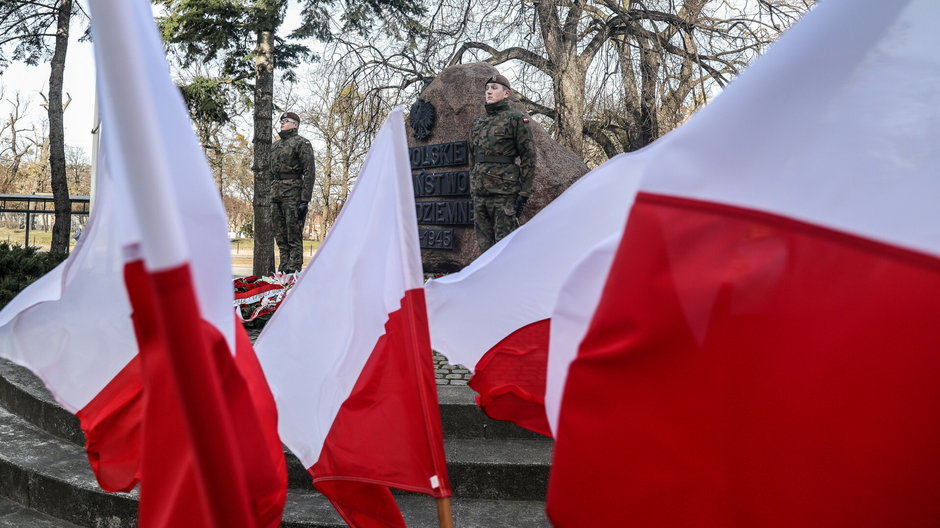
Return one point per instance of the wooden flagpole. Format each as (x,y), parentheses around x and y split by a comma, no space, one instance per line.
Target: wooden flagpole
(445,518)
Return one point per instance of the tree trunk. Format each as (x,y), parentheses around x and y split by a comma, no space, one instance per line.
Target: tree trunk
(568,70)
(569,105)
(649,106)
(60,185)
(344,191)
(631,115)
(264,107)
(327,179)
(16,154)
(640,116)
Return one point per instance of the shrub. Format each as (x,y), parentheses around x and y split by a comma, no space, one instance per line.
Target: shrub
(21,266)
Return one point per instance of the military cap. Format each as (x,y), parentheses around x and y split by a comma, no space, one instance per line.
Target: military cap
(290,115)
(499,79)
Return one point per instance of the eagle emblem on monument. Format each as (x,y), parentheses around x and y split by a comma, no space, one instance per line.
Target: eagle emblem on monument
(421,117)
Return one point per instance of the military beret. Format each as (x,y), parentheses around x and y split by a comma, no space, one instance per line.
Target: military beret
(290,115)
(499,79)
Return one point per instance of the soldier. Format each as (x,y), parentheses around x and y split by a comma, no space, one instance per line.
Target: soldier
(292,176)
(499,186)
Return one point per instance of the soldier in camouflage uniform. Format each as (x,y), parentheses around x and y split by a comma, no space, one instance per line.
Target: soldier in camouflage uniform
(291,187)
(500,187)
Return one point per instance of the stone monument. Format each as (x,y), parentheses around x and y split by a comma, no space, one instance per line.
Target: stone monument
(439,129)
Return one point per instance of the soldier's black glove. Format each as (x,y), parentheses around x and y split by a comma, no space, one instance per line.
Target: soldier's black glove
(302,210)
(520,203)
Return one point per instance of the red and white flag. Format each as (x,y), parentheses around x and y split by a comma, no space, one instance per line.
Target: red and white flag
(494,316)
(135,332)
(348,356)
(766,348)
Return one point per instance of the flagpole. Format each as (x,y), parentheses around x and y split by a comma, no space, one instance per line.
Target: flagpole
(95,143)
(420,354)
(445,518)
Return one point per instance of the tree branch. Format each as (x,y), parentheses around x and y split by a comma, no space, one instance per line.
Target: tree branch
(25,35)
(701,60)
(536,108)
(501,56)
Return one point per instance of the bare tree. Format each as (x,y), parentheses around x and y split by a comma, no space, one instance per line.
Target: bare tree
(664,51)
(605,76)
(78,170)
(230,158)
(28,26)
(341,120)
(15,144)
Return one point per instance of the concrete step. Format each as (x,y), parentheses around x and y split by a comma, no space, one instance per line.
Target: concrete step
(13,515)
(26,396)
(51,475)
(461,418)
(420,511)
(504,469)
(509,469)
(23,394)
(486,459)
(46,481)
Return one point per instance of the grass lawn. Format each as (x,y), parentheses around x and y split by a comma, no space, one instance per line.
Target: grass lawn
(245,246)
(242,249)
(43,239)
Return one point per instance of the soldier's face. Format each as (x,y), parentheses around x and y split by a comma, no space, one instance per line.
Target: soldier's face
(287,124)
(496,92)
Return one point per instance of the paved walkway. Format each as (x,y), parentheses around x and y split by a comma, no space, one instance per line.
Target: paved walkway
(241,271)
(447,374)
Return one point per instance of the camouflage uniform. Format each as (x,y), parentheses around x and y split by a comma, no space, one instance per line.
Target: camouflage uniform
(292,176)
(497,138)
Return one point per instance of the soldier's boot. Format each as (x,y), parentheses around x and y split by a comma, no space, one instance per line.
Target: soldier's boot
(284,257)
(297,256)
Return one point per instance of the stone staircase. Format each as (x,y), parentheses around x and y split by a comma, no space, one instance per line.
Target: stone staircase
(499,472)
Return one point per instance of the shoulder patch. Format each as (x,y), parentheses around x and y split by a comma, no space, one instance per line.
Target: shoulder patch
(525,120)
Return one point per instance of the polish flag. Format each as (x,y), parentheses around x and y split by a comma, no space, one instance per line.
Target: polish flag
(766,348)
(494,316)
(135,331)
(348,356)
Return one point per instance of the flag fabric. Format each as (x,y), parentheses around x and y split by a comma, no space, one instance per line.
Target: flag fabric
(135,331)
(72,328)
(494,316)
(766,347)
(574,307)
(348,356)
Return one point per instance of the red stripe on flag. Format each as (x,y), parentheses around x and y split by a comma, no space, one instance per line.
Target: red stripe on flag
(255,414)
(111,423)
(195,469)
(750,370)
(388,432)
(510,378)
